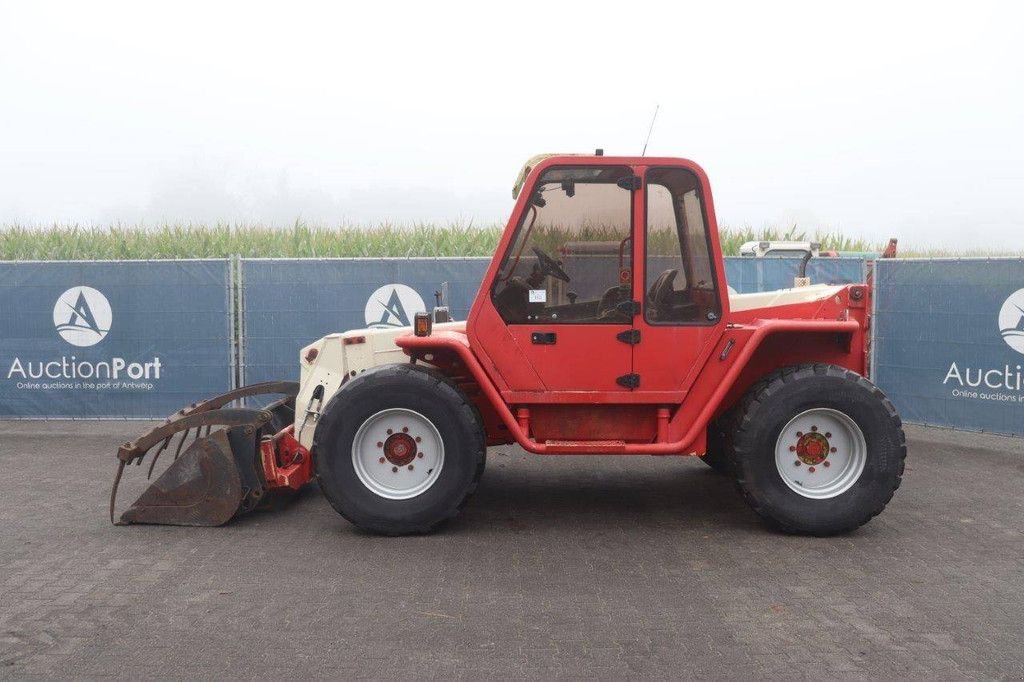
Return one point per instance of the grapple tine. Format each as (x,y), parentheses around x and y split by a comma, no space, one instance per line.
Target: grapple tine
(113,491)
(228,417)
(181,442)
(156,456)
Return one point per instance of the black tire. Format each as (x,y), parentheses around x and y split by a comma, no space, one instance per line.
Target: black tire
(719,455)
(410,387)
(770,405)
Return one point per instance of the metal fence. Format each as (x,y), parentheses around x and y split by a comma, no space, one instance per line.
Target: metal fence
(137,339)
(113,339)
(949,341)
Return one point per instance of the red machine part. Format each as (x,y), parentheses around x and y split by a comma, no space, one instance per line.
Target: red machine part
(286,464)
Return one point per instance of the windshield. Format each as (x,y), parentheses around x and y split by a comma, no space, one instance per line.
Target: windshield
(570,260)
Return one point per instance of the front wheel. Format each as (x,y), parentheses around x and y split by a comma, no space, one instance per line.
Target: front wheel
(399,450)
(818,449)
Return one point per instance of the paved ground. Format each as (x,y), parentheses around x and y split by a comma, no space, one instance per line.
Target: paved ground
(578,566)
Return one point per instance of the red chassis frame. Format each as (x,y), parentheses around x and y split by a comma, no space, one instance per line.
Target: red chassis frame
(731,354)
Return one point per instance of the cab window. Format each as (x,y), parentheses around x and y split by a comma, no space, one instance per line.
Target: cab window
(571,259)
(680,275)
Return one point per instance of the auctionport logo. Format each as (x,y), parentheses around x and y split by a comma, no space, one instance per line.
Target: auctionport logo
(999,384)
(1011,321)
(82,316)
(393,306)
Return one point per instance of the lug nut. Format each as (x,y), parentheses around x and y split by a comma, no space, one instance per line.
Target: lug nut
(796,463)
(814,428)
(410,467)
(799,434)
(828,435)
(420,455)
(405,429)
(382,460)
(832,450)
(390,432)
(826,463)
(810,470)
(394,470)
(418,439)
(380,444)
(792,448)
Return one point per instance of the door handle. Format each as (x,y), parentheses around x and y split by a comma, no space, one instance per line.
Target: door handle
(543,338)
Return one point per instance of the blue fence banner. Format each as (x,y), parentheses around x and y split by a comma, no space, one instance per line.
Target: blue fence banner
(288,303)
(140,339)
(949,341)
(118,339)
(747,275)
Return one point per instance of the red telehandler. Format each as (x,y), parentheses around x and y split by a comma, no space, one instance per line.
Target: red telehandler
(602,326)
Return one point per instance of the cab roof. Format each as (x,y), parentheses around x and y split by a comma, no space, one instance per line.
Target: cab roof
(530,164)
(598,157)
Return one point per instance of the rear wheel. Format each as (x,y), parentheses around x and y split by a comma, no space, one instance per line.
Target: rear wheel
(399,450)
(818,449)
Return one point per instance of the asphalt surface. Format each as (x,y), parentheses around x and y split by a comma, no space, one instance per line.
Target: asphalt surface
(604,567)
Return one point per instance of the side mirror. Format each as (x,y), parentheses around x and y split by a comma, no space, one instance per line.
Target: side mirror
(569,187)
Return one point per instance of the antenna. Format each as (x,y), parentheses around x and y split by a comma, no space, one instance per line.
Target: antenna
(651,129)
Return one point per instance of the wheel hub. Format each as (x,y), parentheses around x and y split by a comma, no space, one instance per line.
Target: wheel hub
(812,448)
(400,449)
(397,453)
(820,453)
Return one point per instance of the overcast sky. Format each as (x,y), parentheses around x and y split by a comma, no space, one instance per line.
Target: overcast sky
(876,119)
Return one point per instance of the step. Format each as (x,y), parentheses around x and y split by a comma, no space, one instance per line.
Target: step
(586,445)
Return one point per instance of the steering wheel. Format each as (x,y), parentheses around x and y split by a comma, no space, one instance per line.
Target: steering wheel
(549,266)
(659,293)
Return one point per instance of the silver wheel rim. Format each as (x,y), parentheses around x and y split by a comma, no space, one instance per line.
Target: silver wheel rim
(821,453)
(398,454)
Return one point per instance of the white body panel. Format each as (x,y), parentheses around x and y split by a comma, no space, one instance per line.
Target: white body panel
(769,299)
(762,249)
(337,361)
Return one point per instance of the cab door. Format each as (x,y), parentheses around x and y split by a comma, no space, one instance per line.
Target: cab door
(681,281)
(564,289)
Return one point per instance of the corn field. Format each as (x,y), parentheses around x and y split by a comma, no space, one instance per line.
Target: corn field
(73,242)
